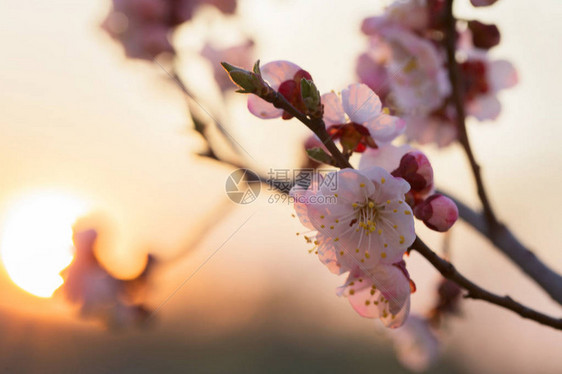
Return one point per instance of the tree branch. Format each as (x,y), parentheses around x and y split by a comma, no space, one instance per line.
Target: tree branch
(317,126)
(506,242)
(458,100)
(476,292)
(488,224)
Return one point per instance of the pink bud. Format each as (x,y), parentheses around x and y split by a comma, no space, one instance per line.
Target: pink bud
(416,169)
(438,212)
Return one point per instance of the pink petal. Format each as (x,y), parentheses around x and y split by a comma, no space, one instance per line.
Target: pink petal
(360,103)
(333,109)
(261,108)
(385,128)
(502,75)
(277,72)
(387,157)
(485,107)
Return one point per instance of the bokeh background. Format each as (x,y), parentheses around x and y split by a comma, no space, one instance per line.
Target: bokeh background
(78,118)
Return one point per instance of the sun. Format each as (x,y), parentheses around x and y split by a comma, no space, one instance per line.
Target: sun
(37,240)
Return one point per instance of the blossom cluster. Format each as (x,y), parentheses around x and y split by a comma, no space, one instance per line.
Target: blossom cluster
(99,295)
(143,27)
(406,64)
(368,225)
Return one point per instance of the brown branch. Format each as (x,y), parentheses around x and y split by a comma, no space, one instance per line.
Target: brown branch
(488,224)
(478,293)
(317,126)
(458,100)
(506,242)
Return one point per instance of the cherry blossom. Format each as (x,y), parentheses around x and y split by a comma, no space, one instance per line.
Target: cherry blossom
(381,291)
(358,120)
(418,78)
(99,294)
(143,27)
(285,77)
(411,14)
(365,219)
(482,80)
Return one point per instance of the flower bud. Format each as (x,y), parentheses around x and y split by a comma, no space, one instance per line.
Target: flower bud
(416,169)
(483,35)
(249,82)
(311,98)
(438,212)
(479,3)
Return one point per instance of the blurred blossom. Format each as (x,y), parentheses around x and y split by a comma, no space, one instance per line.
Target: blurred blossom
(99,294)
(143,27)
(406,62)
(416,345)
(482,78)
(238,55)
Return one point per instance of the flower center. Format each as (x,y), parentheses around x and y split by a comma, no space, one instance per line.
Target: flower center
(367,215)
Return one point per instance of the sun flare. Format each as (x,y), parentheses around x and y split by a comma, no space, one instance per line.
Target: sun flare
(37,241)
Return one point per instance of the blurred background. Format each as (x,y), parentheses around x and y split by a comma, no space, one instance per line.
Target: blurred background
(108,139)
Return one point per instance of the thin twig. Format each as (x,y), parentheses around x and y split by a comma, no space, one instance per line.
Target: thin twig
(317,126)
(506,242)
(458,99)
(476,292)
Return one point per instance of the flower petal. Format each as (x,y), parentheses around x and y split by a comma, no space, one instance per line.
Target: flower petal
(277,72)
(387,156)
(502,75)
(261,108)
(486,107)
(360,103)
(385,128)
(333,109)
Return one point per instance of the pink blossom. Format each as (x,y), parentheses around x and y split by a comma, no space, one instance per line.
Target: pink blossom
(282,76)
(410,14)
(99,294)
(418,78)
(357,118)
(381,291)
(365,219)
(482,78)
(482,81)
(144,26)
(437,127)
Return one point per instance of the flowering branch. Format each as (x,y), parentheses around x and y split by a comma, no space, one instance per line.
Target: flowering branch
(490,227)
(476,292)
(457,96)
(443,266)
